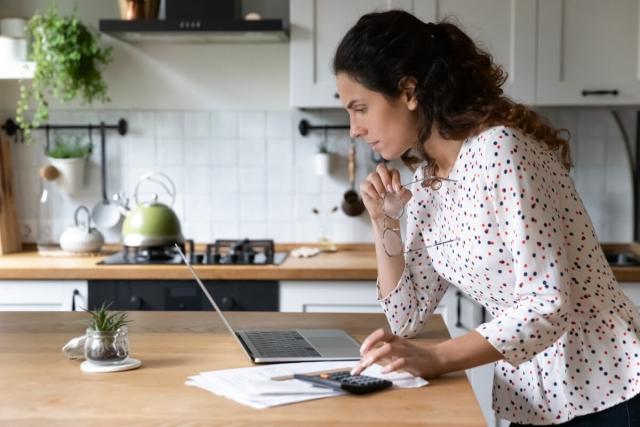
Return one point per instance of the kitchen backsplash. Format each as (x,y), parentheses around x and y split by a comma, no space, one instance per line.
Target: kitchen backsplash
(250,173)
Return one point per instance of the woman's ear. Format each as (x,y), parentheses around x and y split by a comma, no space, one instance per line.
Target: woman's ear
(408,90)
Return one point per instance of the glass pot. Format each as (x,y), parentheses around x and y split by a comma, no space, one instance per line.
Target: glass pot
(107,348)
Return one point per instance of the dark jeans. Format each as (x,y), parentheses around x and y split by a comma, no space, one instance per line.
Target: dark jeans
(625,414)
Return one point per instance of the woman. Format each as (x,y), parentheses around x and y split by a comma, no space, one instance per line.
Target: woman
(494,213)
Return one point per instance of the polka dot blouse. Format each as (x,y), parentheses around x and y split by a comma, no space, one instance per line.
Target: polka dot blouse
(526,250)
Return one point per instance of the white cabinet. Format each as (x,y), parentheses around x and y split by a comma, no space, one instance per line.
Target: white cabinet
(586,50)
(317,26)
(43,295)
(632,290)
(313,296)
(504,28)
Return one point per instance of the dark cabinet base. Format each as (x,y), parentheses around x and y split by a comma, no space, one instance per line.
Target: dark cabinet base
(176,295)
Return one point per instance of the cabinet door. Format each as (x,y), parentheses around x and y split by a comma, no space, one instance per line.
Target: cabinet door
(632,290)
(587,49)
(314,296)
(317,26)
(504,28)
(43,295)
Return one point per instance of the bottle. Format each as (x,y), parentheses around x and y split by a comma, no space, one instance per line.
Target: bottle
(47,239)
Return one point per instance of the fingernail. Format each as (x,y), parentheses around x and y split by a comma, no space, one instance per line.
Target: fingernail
(397,187)
(385,370)
(389,189)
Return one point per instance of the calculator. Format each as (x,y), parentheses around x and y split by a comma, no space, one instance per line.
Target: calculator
(343,380)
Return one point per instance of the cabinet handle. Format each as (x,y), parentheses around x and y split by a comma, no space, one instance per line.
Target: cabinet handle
(613,92)
(459,324)
(73,299)
(336,95)
(135,302)
(227,303)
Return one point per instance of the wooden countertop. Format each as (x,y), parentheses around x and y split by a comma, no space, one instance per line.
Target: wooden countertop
(39,386)
(350,262)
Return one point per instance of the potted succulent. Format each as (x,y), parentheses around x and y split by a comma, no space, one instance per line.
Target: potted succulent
(68,62)
(69,155)
(107,341)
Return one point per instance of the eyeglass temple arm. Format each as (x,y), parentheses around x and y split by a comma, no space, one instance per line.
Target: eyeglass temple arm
(428,177)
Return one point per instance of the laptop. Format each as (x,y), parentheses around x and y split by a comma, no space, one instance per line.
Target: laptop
(299,345)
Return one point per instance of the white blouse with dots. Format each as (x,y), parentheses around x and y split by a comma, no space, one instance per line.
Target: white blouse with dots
(527,251)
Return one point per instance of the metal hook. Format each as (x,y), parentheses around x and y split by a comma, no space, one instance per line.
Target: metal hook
(47,146)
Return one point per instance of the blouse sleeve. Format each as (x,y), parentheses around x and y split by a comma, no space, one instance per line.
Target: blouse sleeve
(521,181)
(420,288)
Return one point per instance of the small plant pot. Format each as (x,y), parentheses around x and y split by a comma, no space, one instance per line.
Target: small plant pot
(322,163)
(107,348)
(71,178)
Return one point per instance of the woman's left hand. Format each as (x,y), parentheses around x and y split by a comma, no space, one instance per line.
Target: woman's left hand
(400,354)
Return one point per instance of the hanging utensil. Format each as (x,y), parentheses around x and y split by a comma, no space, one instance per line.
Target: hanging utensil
(105,214)
(352,204)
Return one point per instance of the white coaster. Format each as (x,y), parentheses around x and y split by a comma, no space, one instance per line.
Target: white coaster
(129,363)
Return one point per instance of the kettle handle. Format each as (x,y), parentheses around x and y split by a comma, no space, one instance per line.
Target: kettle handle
(83,208)
(149,177)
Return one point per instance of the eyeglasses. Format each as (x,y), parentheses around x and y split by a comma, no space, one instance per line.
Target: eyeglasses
(393,208)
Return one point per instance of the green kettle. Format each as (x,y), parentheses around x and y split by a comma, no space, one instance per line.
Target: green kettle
(151,223)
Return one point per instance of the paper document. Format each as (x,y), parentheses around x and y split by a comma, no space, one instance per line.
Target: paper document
(254,386)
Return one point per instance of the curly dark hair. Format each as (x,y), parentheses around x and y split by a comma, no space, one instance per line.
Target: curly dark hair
(458,86)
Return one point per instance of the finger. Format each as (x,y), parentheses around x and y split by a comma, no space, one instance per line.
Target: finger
(373,338)
(370,358)
(397,364)
(375,180)
(373,356)
(385,176)
(396,183)
(368,190)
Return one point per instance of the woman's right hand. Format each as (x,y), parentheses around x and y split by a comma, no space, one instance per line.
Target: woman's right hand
(377,184)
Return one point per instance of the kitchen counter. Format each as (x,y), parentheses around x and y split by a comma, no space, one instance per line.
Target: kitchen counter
(350,262)
(42,387)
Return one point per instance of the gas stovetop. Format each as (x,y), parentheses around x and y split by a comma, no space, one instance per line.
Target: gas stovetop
(222,252)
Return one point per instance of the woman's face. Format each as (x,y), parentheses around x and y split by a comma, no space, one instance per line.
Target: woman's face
(390,127)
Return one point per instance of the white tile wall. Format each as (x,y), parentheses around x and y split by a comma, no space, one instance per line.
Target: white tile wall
(250,173)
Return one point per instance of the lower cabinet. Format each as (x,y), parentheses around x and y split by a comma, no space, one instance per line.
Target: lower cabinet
(632,290)
(43,295)
(331,296)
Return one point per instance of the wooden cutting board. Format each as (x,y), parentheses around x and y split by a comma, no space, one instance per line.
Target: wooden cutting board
(10,241)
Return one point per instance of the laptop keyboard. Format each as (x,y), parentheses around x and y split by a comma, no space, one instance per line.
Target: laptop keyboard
(281,344)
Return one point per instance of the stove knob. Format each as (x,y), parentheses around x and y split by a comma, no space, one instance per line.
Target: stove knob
(216,258)
(135,302)
(227,303)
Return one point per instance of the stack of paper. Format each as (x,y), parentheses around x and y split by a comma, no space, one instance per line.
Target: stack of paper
(254,386)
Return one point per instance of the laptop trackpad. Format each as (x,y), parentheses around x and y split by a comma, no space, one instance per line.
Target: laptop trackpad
(332,343)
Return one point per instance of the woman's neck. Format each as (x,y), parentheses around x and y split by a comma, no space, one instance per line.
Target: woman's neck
(444,153)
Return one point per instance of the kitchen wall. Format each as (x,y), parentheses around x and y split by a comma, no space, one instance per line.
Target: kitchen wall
(216,119)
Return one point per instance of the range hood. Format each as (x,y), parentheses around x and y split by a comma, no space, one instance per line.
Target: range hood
(203,21)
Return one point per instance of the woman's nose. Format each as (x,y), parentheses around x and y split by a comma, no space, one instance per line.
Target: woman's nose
(356,131)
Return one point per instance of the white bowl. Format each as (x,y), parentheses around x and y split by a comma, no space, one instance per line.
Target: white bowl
(13,27)
(12,49)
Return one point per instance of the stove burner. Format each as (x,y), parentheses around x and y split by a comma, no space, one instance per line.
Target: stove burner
(228,252)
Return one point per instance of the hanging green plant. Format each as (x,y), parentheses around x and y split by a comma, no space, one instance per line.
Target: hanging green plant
(68,63)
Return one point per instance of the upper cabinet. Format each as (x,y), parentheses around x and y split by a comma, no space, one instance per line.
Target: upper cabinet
(506,28)
(555,52)
(317,26)
(588,52)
